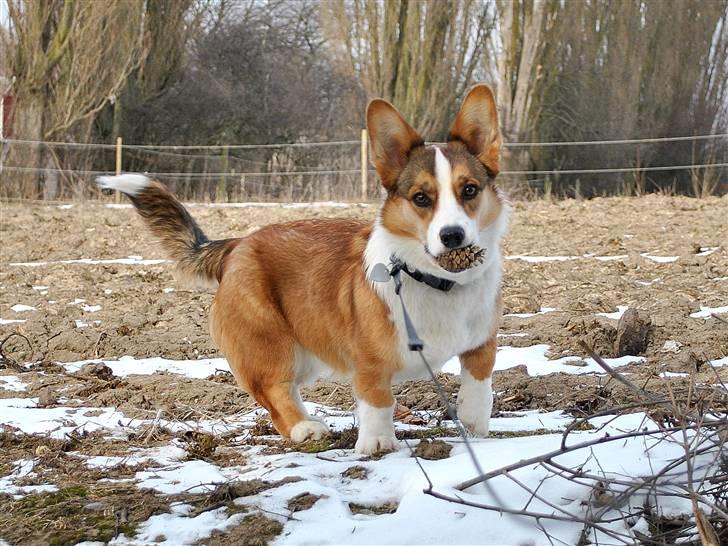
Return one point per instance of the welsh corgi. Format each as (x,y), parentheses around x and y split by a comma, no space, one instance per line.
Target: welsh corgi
(297,301)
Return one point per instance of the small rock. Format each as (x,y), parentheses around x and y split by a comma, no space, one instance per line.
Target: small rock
(46,398)
(671,346)
(96,369)
(632,332)
(433,450)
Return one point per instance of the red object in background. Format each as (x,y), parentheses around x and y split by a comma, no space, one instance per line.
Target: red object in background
(8,104)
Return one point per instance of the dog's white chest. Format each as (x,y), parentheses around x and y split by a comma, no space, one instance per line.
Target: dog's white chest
(449,323)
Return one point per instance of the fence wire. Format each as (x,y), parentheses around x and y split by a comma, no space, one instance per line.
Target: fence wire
(332,170)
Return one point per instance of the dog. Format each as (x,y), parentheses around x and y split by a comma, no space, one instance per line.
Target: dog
(296,301)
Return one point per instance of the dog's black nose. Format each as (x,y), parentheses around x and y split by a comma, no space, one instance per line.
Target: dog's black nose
(452,236)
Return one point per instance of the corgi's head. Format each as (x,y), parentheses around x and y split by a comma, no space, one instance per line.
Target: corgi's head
(440,197)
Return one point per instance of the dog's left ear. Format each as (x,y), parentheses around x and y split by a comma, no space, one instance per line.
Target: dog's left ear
(476,126)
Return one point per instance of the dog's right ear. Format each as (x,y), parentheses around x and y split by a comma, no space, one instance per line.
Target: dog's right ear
(391,139)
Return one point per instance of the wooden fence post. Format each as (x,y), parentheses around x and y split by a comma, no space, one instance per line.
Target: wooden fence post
(117,195)
(364,165)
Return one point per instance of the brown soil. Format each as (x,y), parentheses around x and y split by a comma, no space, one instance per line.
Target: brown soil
(303,501)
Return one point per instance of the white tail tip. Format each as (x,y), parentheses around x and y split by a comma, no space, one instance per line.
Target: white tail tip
(130,184)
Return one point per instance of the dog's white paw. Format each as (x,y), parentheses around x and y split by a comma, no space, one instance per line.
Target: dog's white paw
(376,429)
(475,404)
(474,420)
(369,445)
(308,430)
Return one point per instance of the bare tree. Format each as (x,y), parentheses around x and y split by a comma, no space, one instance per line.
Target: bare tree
(420,55)
(70,59)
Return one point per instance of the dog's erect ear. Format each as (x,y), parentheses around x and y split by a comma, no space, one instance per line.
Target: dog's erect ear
(392,140)
(476,126)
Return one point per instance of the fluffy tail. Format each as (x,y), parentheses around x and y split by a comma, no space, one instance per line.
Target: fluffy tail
(198,260)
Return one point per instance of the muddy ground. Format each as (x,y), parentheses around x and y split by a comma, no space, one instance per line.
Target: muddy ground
(129,309)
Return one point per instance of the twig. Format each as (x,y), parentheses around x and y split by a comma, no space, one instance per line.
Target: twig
(617,376)
(10,360)
(561,451)
(519,512)
(715,316)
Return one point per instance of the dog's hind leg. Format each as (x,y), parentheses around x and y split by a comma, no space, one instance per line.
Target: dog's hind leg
(270,379)
(288,414)
(262,358)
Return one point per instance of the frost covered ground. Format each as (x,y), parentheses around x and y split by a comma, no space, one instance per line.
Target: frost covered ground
(353,500)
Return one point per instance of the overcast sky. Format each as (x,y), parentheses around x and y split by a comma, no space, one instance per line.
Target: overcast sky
(3,12)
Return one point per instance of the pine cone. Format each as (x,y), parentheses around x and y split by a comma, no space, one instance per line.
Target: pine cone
(460,259)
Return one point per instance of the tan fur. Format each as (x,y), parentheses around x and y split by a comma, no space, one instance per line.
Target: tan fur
(303,284)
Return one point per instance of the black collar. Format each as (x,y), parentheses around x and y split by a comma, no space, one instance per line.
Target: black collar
(438,283)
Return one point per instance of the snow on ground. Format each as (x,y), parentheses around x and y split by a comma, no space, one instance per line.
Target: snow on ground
(705,312)
(130,260)
(617,314)
(537,363)
(542,311)
(646,255)
(533,357)
(12,383)
(660,259)
(138,260)
(128,365)
(395,478)
(20,308)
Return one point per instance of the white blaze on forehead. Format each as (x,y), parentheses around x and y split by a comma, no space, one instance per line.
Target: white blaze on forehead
(449,212)
(447,204)
(443,170)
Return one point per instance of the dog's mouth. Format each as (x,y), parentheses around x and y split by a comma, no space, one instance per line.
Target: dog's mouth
(460,259)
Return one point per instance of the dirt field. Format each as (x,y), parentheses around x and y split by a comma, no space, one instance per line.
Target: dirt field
(569,261)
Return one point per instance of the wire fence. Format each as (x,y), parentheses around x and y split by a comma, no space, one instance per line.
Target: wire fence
(339,170)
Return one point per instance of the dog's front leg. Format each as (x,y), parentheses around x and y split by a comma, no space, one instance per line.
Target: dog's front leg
(475,398)
(375,409)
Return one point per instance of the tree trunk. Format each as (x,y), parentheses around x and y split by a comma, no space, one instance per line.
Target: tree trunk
(28,125)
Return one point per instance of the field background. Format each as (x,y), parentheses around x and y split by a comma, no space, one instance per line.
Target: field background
(92,285)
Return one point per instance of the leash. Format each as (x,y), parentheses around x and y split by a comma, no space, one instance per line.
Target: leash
(380,273)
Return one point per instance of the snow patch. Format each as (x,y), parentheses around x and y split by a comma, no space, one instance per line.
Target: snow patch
(128,365)
(541,259)
(12,383)
(705,312)
(131,260)
(21,308)
(529,315)
(537,363)
(617,314)
(660,259)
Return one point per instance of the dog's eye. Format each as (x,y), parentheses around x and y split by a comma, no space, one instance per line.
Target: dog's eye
(422,200)
(470,191)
